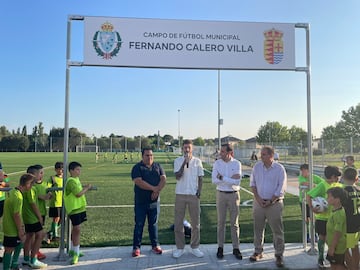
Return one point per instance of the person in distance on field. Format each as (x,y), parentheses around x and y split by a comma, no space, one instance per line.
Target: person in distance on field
(226,175)
(149,179)
(332,175)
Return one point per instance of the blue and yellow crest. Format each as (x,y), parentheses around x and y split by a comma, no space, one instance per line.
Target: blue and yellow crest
(273,46)
(107,43)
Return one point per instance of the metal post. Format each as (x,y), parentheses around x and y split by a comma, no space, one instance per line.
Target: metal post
(307,70)
(219,119)
(179,129)
(62,256)
(303,190)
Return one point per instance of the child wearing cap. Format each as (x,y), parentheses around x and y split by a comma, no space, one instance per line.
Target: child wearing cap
(332,175)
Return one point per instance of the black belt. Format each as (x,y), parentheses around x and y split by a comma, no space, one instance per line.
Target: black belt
(228,191)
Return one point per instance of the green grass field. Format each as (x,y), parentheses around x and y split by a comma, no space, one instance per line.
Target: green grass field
(110,208)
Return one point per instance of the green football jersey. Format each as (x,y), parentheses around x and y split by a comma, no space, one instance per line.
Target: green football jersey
(13,204)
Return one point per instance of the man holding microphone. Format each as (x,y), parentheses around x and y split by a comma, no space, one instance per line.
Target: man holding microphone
(189,173)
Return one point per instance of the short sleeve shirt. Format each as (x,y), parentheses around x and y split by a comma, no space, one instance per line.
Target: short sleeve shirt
(352,209)
(56,200)
(41,190)
(151,175)
(76,204)
(321,191)
(188,183)
(316,180)
(337,223)
(30,197)
(13,205)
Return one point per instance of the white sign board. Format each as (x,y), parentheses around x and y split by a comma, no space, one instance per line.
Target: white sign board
(128,42)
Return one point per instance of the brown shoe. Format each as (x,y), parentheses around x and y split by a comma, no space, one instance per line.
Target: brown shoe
(279,261)
(255,257)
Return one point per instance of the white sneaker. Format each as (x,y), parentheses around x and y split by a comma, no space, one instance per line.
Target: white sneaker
(197,252)
(37,264)
(178,253)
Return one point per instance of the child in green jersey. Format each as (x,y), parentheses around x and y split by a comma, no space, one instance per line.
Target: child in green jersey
(332,175)
(336,228)
(55,204)
(304,184)
(4,183)
(75,205)
(352,210)
(14,233)
(34,223)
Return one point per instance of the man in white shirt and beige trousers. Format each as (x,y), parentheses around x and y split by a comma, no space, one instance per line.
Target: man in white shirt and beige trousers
(226,175)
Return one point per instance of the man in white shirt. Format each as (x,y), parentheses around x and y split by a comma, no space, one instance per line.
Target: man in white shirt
(226,175)
(189,173)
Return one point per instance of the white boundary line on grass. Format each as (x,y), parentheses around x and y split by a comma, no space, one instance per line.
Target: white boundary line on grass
(14,173)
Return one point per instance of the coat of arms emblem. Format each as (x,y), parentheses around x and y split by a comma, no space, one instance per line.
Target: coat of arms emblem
(107,42)
(273,46)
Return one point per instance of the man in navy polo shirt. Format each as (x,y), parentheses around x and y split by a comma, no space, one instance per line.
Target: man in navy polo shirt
(149,179)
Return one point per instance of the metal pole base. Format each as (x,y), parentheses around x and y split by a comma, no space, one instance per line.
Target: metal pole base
(61,257)
(312,251)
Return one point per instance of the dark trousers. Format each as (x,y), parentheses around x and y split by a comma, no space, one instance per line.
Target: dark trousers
(143,210)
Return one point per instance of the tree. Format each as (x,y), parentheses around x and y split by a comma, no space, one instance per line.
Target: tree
(272,132)
(199,141)
(16,143)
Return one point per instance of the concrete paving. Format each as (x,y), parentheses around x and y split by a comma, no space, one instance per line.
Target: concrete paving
(295,257)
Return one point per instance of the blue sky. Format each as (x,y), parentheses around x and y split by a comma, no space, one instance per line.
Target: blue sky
(138,101)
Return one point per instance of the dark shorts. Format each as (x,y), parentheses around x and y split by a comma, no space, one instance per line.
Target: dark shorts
(2,207)
(33,228)
(320,227)
(55,212)
(11,241)
(336,259)
(77,219)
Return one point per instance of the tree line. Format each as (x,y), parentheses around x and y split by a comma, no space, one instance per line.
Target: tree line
(272,132)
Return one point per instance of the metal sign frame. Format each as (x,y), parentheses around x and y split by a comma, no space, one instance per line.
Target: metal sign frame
(69,64)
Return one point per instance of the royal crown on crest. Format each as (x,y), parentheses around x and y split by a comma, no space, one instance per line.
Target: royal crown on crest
(273,34)
(107,27)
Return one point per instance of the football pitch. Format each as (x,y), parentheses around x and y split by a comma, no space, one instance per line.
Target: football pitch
(110,208)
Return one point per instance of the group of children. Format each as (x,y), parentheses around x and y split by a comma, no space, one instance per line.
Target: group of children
(25,210)
(339,225)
